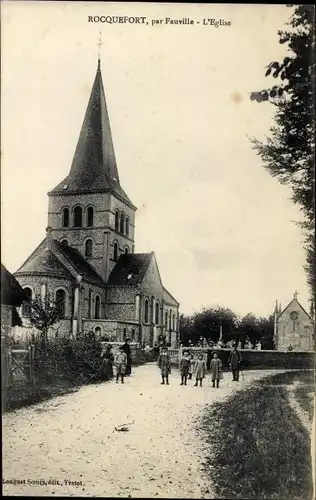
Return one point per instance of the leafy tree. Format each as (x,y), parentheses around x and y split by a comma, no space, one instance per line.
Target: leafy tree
(288,154)
(186,328)
(44,313)
(208,323)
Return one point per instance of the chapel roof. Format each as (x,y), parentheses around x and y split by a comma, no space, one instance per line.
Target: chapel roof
(130,269)
(299,306)
(94,167)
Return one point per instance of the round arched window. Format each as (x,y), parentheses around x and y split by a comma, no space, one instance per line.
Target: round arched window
(78,217)
(88,249)
(97,307)
(90,216)
(65,217)
(60,300)
(26,305)
(115,251)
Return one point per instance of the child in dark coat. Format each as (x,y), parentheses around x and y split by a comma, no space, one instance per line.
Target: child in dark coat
(184,367)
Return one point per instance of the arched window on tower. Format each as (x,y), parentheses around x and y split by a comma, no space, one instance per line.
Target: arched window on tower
(97,307)
(78,217)
(146,315)
(88,249)
(122,223)
(115,251)
(60,299)
(26,305)
(157,313)
(127,226)
(65,217)
(90,216)
(117,220)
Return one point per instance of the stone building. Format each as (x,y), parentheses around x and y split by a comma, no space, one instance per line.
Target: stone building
(87,260)
(293,327)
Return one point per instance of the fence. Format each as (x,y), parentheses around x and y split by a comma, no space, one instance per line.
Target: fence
(17,365)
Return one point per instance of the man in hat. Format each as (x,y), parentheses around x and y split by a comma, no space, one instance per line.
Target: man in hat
(234,363)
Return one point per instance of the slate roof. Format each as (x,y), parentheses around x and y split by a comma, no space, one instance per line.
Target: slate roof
(79,263)
(12,293)
(169,298)
(94,165)
(45,263)
(130,269)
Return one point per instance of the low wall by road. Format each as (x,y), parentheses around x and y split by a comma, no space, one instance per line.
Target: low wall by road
(253,359)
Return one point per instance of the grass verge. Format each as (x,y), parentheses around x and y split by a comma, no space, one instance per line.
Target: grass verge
(257,445)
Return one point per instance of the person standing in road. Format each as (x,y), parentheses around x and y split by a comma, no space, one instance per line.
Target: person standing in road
(126,348)
(120,363)
(164,365)
(200,369)
(216,370)
(234,361)
(184,367)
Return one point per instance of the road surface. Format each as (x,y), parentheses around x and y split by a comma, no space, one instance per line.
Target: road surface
(72,439)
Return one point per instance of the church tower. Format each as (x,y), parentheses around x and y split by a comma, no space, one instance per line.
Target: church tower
(89,210)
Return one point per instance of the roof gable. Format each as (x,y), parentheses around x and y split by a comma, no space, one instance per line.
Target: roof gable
(295,302)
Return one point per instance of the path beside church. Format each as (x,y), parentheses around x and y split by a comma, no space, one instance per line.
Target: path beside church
(72,438)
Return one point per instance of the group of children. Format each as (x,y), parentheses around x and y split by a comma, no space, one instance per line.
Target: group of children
(188,366)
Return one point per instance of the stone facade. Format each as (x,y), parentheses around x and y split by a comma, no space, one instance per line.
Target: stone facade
(90,231)
(294,327)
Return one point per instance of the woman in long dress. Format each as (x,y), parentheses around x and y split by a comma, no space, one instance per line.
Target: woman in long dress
(200,369)
(126,348)
(107,364)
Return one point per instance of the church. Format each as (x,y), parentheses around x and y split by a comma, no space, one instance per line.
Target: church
(87,261)
(293,327)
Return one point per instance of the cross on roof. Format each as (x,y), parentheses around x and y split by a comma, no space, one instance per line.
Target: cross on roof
(99,50)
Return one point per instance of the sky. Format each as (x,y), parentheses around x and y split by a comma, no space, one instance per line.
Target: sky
(221,227)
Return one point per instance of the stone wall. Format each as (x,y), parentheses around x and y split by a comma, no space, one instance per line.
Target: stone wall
(256,360)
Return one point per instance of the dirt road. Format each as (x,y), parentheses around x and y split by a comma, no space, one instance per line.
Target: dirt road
(72,439)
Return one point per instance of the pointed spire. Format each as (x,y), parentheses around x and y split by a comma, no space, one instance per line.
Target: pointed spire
(94,167)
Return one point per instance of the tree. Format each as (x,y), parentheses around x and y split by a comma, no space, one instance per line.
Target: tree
(288,154)
(44,313)
(208,323)
(185,328)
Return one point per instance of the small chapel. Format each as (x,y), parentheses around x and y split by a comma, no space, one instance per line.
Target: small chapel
(293,327)
(87,260)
